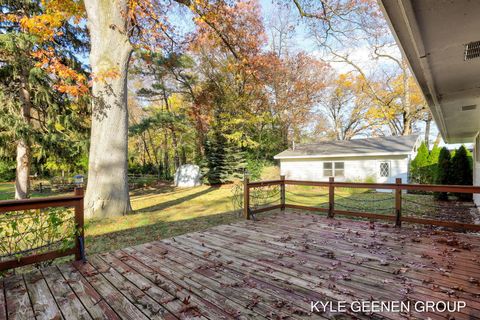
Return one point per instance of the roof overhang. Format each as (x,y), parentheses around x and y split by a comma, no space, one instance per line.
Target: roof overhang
(432,35)
(343,155)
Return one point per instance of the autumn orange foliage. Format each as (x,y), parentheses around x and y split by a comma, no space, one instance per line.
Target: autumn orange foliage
(45,27)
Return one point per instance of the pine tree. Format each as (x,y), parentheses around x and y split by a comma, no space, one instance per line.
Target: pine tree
(442,174)
(419,165)
(224,162)
(39,76)
(461,172)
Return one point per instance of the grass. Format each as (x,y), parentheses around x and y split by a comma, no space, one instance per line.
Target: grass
(161,213)
(7,192)
(271,173)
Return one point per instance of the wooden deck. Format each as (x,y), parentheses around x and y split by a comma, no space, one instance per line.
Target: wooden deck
(270,269)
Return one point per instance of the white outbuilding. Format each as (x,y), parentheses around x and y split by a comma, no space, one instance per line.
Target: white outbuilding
(380,160)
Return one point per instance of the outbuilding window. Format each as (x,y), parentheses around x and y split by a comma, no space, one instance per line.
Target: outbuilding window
(333,169)
(339,169)
(384,169)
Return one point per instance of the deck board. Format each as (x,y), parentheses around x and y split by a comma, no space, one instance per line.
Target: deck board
(3,310)
(136,277)
(267,269)
(89,297)
(248,297)
(68,303)
(17,300)
(43,303)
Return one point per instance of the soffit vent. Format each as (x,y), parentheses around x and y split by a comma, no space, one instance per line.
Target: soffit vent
(472,50)
(470,107)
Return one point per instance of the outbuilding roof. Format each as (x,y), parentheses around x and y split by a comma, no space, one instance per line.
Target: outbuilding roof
(394,145)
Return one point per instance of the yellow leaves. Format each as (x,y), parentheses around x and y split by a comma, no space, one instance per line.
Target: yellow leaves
(10,17)
(46,26)
(176,102)
(68,8)
(241,140)
(59,127)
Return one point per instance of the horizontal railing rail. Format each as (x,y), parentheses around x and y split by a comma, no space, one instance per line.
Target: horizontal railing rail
(74,201)
(391,186)
(396,213)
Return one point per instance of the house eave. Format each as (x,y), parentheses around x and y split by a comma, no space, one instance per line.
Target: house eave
(432,36)
(343,155)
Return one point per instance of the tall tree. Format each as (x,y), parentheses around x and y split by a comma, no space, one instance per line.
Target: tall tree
(443,173)
(354,34)
(345,109)
(115,27)
(39,75)
(107,192)
(419,167)
(294,85)
(461,171)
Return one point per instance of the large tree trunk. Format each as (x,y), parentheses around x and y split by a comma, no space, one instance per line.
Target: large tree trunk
(22,176)
(107,191)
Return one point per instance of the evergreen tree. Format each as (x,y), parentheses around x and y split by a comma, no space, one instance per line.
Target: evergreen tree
(461,172)
(432,163)
(39,76)
(224,162)
(442,175)
(419,165)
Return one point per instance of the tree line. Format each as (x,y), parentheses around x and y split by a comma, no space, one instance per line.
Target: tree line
(228,94)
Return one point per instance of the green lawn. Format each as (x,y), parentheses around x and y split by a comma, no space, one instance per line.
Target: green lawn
(7,192)
(162,213)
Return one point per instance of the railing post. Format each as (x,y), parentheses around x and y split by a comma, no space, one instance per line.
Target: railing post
(331,197)
(79,222)
(246,197)
(282,193)
(398,203)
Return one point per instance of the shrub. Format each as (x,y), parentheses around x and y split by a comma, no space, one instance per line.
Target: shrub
(7,170)
(255,168)
(433,163)
(442,173)
(461,172)
(419,167)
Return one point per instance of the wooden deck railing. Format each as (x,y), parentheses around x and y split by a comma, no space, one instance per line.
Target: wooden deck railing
(396,215)
(74,201)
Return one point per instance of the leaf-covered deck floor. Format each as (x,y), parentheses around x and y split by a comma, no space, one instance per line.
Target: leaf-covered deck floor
(271,269)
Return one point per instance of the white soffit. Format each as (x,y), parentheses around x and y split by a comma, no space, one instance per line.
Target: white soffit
(433,35)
